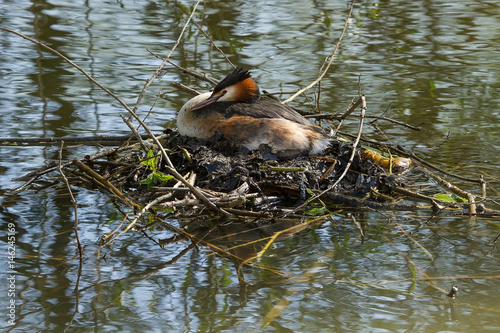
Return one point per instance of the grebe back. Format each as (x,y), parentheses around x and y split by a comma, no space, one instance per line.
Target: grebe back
(237,111)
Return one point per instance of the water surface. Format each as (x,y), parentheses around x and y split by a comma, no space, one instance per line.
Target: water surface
(427,63)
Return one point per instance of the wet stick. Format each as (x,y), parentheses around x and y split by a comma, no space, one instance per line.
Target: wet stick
(75,204)
(102,182)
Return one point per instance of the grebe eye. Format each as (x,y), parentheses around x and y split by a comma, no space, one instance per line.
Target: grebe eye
(224,92)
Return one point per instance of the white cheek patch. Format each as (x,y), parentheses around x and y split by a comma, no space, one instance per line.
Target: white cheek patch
(186,122)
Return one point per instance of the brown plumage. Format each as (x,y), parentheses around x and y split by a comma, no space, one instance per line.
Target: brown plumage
(241,115)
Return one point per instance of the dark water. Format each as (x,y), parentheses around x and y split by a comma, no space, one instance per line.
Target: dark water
(428,63)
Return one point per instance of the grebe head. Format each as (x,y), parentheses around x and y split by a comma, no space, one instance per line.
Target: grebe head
(236,87)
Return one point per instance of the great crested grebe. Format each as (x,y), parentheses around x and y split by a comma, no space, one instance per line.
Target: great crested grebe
(237,111)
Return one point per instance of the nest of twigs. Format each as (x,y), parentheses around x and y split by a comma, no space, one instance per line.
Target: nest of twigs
(245,183)
(220,178)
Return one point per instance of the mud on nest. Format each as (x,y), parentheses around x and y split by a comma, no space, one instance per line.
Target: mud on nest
(224,168)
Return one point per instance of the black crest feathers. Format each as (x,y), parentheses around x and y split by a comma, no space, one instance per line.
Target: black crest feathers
(238,75)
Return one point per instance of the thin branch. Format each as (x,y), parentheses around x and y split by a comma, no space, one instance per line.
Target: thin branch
(72,139)
(347,167)
(213,43)
(170,166)
(185,88)
(75,203)
(48,48)
(320,77)
(165,60)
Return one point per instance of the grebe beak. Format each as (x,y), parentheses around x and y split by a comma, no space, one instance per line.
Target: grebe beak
(208,101)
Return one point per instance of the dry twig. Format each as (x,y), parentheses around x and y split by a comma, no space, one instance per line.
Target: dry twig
(328,62)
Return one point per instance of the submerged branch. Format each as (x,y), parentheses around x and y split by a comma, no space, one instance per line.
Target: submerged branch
(101,139)
(75,203)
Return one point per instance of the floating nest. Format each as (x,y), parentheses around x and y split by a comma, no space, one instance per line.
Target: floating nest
(217,178)
(243,182)
(172,177)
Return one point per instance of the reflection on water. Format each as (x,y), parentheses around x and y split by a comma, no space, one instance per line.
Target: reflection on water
(244,241)
(428,63)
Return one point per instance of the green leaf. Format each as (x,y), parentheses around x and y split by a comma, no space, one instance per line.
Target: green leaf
(155,178)
(449,197)
(315,211)
(148,181)
(150,218)
(160,177)
(166,210)
(150,160)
